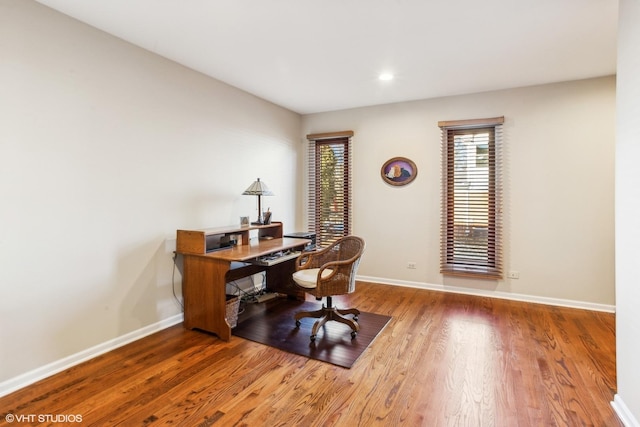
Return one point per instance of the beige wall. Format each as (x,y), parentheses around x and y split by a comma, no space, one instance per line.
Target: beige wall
(559,182)
(105,150)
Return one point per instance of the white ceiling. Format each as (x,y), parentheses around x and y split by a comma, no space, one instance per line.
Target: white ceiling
(324,55)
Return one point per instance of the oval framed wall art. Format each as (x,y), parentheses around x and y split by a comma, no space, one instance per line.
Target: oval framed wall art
(398,171)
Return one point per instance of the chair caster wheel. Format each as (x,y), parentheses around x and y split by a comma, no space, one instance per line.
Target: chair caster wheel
(297,323)
(312,338)
(353,334)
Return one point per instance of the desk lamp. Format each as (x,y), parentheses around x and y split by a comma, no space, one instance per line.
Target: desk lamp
(258,188)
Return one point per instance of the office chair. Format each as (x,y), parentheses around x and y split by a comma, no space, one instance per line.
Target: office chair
(327,272)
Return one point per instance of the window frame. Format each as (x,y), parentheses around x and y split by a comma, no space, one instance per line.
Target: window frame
(328,230)
(459,255)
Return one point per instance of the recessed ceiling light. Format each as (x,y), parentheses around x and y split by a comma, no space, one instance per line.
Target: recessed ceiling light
(385,76)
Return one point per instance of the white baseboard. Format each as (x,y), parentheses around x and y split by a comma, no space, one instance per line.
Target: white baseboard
(493,294)
(623,412)
(23,380)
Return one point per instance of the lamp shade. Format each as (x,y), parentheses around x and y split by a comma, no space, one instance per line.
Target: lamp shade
(258,188)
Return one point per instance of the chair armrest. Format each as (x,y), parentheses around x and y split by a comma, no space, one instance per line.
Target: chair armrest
(314,259)
(342,277)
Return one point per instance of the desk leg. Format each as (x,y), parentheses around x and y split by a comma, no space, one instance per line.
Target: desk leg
(203,289)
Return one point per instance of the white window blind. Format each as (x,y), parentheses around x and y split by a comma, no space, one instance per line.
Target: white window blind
(471,224)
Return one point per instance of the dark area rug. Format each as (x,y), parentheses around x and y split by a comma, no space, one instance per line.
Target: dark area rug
(272,323)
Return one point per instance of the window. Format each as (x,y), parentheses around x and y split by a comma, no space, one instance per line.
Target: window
(471,224)
(329,168)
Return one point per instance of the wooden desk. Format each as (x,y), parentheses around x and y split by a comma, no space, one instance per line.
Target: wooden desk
(205,275)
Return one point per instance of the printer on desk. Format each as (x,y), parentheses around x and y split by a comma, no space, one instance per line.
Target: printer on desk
(311,246)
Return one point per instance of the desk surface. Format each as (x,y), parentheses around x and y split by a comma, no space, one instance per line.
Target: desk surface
(256,248)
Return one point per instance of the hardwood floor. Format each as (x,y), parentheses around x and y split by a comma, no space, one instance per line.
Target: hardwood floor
(443,360)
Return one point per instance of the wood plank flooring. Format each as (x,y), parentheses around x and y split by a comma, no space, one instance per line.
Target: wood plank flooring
(443,360)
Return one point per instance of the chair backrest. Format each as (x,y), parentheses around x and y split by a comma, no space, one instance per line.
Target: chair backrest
(343,257)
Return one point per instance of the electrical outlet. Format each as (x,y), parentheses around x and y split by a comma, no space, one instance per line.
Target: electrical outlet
(514,275)
(411,265)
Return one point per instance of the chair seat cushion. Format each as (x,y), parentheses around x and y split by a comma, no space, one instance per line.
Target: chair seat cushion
(307,278)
